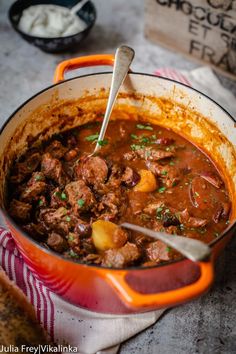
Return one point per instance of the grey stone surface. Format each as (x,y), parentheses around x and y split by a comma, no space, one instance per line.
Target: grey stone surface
(206,325)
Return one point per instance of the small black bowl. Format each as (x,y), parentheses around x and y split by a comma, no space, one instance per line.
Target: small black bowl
(59,44)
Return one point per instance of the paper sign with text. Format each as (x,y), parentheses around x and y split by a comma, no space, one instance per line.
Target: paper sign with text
(202,29)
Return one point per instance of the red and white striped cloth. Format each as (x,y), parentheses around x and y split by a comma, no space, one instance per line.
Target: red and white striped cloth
(65,323)
(173,74)
(17,270)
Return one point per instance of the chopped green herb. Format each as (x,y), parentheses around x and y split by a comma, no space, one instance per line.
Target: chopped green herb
(135,147)
(57,194)
(153,136)
(168,249)
(71,238)
(38,178)
(174,183)
(133,136)
(40,202)
(102,142)
(73,254)
(68,218)
(145,127)
(92,137)
(63,196)
(80,202)
(167,211)
(162,189)
(197,194)
(171,163)
(144,140)
(159,209)
(147,154)
(164,172)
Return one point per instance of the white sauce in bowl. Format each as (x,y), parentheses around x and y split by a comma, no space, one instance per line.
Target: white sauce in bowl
(50,21)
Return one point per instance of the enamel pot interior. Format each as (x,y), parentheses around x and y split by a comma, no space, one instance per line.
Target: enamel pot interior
(80,100)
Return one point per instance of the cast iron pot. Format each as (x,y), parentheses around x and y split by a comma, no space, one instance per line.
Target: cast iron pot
(73,102)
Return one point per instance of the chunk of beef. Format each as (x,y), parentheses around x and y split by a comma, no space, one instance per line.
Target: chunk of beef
(170,175)
(93,170)
(56,242)
(93,259)
(190,221)
(152,208)
(37,231)
(114,180)
(55,220)
(35,187)
(56,149)
(166,216)
(24,169)
(111,205)
(212,178)
(33,191)
(52,169)
(20,210)
(130,178)
(120,237)
(74,242)
(87,246)
(121,257)
(57,198)
(157,251)
(222,212)
(151,154)
(80,196)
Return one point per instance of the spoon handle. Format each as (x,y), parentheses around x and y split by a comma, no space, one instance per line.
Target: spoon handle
(194,250)
(123,58)
(78,6)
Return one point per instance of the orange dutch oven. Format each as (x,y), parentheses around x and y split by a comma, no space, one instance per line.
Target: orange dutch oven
(72,102)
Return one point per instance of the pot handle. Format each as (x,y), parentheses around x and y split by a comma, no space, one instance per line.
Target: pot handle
(134,299)
(81,62)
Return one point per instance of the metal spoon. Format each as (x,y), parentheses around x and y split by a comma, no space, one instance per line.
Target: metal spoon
(123,58)
(194,250)
(78,6)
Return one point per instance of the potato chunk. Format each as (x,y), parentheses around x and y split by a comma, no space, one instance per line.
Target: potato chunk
(147,182)
(107,235)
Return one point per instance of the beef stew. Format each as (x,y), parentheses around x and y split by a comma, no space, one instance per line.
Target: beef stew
(144,174)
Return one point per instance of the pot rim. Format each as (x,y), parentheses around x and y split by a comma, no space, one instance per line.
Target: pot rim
(53,253)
